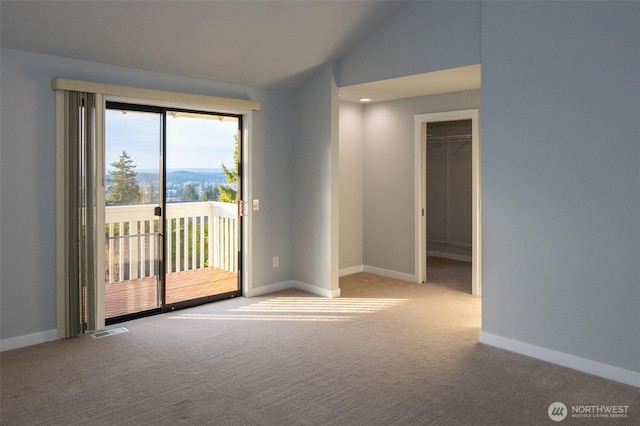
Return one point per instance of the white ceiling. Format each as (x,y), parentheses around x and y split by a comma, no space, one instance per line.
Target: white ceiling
(255,43)
(451,80)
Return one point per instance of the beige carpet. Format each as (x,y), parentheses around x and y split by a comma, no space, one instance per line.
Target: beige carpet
(387,352)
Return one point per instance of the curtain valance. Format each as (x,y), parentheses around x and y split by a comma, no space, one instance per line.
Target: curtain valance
(154,95)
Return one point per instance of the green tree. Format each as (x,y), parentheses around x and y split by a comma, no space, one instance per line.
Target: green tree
(227,193)
(212,194)
(189,193)
(123,187)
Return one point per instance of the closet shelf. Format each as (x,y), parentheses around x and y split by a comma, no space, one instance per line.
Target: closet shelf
(446,139)
(460,244)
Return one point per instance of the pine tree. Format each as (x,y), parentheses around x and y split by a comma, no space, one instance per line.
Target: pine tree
(122,184)
(227,193)
(189,193)
(212,194)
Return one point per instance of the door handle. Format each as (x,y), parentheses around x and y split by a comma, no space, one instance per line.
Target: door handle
(157,211)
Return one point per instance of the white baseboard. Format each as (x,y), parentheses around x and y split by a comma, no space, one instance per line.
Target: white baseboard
(271,288)
(390,274)
(317,290)
(452,256)
(284,285)
(560,358)
(28,340)
(351,270)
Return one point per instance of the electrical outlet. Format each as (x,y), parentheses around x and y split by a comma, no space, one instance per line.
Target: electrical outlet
(276,261)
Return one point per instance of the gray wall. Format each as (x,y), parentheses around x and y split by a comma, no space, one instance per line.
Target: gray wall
(389,184)
(423,36)
(271,184)
(560,155)
(27,178)
(351,184)
(315,182)
(561,177)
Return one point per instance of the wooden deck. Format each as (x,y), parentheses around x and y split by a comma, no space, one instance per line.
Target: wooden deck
(141,294)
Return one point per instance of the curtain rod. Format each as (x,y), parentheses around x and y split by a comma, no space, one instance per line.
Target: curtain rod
(152,94)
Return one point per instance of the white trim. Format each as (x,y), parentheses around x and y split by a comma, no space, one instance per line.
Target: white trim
(563,359)
(285,285)
(420,200)
(270,288)
(28,340)
(153,95)
(323,292)
(389,274)
(247,195)
(420,176)
(351,270)
(100,300)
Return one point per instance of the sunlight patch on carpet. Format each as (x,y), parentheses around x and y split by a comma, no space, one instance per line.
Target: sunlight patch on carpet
(300,309)
(240,317)
(319,304)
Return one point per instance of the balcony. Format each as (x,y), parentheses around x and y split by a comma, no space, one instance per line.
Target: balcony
(201,246)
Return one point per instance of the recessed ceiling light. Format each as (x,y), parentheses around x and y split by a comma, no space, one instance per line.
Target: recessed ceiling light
(365,100)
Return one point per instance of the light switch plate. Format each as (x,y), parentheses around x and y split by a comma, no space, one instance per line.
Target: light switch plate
(256,204)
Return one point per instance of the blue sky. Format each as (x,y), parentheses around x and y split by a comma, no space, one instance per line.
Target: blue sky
(194,143)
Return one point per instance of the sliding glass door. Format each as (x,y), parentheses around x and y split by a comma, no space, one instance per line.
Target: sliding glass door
(202,190)
(172,234)
(133,230)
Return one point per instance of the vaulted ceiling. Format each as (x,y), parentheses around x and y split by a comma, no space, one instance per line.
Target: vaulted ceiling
(255,43)
(264,43)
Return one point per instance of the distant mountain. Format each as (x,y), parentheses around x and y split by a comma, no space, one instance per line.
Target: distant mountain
(182,176)
(178,177)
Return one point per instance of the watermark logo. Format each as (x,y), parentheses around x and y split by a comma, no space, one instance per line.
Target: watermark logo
(557,411)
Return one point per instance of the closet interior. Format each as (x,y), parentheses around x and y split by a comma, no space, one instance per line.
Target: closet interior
(449,190)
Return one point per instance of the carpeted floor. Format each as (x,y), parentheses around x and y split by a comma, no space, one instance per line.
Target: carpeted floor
(387,352)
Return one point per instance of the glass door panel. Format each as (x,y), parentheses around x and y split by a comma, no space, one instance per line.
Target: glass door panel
(133,232)
(202,188)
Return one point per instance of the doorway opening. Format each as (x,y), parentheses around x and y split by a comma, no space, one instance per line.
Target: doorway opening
(172,224)
(447,172)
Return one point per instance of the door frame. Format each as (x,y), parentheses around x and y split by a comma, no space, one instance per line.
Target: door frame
(245,115)
(420,177)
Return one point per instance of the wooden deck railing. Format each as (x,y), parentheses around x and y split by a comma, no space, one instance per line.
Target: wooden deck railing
(198,235)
